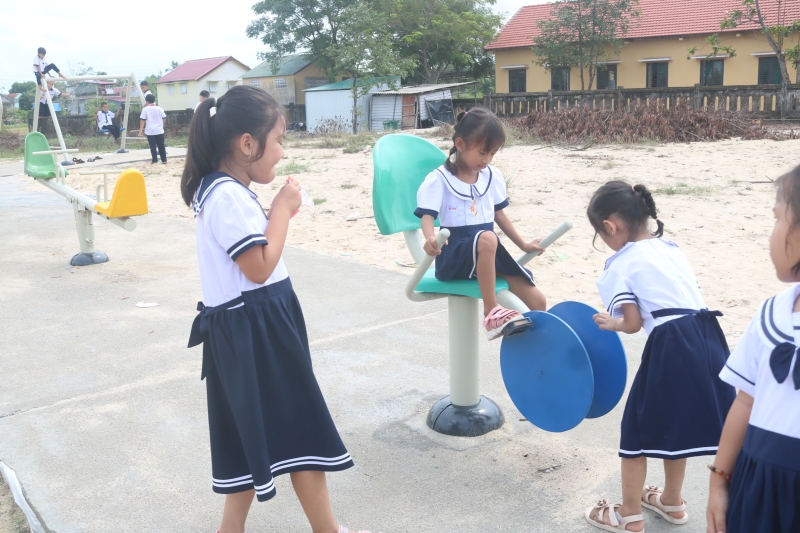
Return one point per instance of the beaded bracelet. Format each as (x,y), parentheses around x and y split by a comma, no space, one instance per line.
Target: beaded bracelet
(720,472)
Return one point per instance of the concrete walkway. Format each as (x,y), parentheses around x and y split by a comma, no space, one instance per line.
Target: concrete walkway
(103,414)
(16,168)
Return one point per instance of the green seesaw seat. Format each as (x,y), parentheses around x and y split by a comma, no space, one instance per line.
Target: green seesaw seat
(401,164)
(129,198)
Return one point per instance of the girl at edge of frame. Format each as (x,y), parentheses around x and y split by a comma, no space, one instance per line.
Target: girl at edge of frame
(759,452)
(468,196)
(266,413)
(677,403)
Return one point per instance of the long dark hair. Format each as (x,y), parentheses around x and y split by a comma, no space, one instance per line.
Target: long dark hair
(477,126)
(788,187)
(634,204)
(243,109)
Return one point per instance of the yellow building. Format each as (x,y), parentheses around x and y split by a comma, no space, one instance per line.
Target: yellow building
(180,88)
(655,50)
(294,74)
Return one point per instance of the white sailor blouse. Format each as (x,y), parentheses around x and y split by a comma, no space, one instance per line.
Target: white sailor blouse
(653,274)
(455,203)
(230,221)
(764,365)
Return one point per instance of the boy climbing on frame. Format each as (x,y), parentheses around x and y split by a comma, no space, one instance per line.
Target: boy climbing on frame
(42,67)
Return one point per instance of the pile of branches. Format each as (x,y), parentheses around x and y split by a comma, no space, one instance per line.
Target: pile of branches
(680,123)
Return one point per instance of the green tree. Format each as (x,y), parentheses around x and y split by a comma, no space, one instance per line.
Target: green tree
(443,34)
(777,31)
(583,33)
(291,26)
(27,90)
(363,52)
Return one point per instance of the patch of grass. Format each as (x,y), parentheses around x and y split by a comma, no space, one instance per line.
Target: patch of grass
(292,167)
(318,201)
(608,165)
(11,517)
(684,188)
(348,185)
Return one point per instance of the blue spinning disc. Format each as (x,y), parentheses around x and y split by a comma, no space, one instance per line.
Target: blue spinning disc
(605,351)
(547,373)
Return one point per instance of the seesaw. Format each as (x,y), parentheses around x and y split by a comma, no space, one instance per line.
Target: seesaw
(128,200)
(554,372)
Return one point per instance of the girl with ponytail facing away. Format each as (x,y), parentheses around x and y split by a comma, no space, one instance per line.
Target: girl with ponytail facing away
(266,413)
(677,403)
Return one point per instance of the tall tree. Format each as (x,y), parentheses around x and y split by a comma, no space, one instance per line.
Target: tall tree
(27,90)
(363,52)
(777,30)
(583,33)
(443,34)
(291,26)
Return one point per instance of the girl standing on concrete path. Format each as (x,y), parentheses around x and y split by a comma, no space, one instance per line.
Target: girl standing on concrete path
(677,403)
(755,479)
(266,412)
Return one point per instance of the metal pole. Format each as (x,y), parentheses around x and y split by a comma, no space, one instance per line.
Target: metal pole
(136,84)
(56,125)
(122,149)
(36,108)
(464,356)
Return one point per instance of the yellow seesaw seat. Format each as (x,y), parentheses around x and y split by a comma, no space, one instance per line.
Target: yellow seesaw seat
(129,198)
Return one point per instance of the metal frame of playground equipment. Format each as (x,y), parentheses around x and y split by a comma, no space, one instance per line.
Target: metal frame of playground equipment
(132,83)
(465,412)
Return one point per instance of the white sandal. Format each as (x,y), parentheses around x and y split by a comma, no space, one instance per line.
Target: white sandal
(662,509)
(618,523)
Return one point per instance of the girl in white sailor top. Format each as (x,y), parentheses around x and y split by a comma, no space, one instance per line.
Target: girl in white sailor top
(266,413)
(759,452)
(468,196)
(677,403)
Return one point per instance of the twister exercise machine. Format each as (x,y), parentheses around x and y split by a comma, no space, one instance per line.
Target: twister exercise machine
(557,372)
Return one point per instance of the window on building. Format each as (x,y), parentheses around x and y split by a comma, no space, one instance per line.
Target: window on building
(312,82)
(254,83)
(657,75)
(212,87)
(559,77)
(711,71)
(231,85)
(171,89)
(280,83)
(606,77)
(183,88)
(769,71)
(517,81)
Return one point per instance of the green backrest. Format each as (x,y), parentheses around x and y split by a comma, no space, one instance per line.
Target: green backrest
(401,164)
(38,166)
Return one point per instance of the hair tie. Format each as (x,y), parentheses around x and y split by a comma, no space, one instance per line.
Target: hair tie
(633,188)
(212,111)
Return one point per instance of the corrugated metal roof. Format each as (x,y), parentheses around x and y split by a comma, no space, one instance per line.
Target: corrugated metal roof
(420,89)
(660,18)
(289,65)
(348,84)
(195,69)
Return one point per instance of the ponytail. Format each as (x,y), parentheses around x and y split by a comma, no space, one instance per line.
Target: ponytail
(218,122)
(199,151)
(476,126)
(633,204)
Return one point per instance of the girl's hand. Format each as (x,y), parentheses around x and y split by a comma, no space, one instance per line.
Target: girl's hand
(606,322)
(288,199)
(532,246)
(717,505)
(431,247)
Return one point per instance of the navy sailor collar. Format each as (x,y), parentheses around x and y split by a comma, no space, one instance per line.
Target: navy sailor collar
(471,189)
(207,185)
(775,316)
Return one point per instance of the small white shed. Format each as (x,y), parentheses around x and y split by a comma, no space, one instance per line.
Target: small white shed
(408,105)
(335,102)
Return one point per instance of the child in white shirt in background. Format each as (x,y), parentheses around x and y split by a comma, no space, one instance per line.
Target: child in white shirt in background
(152,122)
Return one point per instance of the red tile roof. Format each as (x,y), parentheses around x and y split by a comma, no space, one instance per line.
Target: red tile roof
(196,69)
(660,18)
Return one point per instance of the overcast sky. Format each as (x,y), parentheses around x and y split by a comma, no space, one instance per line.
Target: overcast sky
(115,38)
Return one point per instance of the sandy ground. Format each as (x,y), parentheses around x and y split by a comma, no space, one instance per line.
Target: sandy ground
(704,193)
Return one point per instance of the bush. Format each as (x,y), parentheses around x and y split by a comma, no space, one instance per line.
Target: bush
(642,122)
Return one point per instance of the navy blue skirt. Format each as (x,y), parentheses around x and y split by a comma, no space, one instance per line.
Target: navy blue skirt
(677,404)
(459,258)
(266,413)
(765,485)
